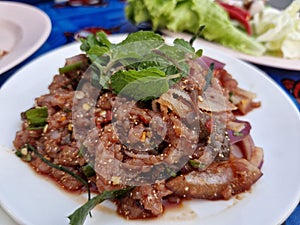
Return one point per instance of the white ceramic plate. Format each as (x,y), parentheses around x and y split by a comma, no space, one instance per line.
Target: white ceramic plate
(32,199)
(276,62)
(23,29)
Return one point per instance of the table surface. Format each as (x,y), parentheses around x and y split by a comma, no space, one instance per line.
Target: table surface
(110,16)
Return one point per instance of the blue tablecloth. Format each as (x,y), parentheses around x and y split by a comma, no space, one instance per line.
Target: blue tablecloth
(109,15)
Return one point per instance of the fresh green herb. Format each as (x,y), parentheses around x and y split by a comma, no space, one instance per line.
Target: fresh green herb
(230,96)
(147,88)
(79,215)
(69,68)
(24,154)
(123,77)
(88,170)
(171,172)
(209,76)
(142,66)
(143,36)
(66,110)
(37,117)
(238,134)
(197,34)
(196,164)
(143,84)
(82,150)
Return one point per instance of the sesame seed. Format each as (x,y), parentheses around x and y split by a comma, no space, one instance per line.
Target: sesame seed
(79,94)
(86,106)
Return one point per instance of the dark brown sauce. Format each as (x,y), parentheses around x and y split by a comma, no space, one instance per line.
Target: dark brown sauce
(52,179)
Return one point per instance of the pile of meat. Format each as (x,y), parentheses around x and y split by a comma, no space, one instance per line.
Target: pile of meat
(188,143)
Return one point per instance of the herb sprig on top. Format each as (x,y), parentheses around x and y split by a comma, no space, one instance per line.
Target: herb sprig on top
(141,67)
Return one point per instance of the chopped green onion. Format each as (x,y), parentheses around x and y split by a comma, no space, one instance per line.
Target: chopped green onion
(196,164)
(88,170)
(236,133)
(69,68)
(37,118)
(24,154)
(209,76)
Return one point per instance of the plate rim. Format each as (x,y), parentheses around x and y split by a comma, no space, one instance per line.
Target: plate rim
(42,35)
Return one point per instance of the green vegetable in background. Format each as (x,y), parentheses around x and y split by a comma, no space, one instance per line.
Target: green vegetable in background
(279,30)
(188,16)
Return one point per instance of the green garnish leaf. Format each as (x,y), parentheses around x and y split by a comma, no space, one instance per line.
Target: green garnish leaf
(209,76)
(230,96)
(199,52)
(146,88)
(88,170)
(37,117)
(238,134)
(79,215)
(141,85)
(69,68)
(197,34)
(196,164)
(97,50)
(123,77)
(24,154)
(181,43)
(102,38)
(143,36)
(141,67)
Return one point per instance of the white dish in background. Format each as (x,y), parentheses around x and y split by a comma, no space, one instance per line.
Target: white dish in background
(265,60)
(32,199)
(23,29)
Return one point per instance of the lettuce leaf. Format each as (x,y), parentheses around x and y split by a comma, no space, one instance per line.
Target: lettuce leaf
(279,30)
(189,15)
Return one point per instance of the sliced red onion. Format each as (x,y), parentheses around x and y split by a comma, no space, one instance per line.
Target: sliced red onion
(207,60)
(247,146)
(236,151)
(257,158)
(235,136)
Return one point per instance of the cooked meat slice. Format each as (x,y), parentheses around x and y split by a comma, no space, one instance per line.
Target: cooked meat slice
(219,181)
(144,201)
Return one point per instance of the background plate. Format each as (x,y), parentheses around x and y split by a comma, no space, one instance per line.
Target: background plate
(24,28)
(265,60)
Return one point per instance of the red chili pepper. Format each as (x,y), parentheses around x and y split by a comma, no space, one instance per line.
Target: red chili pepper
(239,14)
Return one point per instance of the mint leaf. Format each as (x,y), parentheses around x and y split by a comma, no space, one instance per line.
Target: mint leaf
(142,66)
(141,85)
(142,36)
(138,50)
(96,45)
(146,88)
(78,216)
(209,76)
(122,78)
(97,50)
(102,38)
(185,45)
